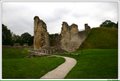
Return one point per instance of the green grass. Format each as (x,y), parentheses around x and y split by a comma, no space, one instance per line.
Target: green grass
(101,38)
(91,64)
(16,65)
(95,64)
(11,53)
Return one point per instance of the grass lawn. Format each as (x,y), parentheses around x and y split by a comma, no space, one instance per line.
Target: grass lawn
(95,64)
(91,64)
(16,65)
(101,38)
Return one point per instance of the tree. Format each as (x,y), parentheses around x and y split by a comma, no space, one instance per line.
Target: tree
(6,36)
(16,38)
(30,42)
(26,38)
(109,24)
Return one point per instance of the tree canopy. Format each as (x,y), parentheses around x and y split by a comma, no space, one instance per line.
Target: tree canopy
(6,36)
(109,24)
(27,38)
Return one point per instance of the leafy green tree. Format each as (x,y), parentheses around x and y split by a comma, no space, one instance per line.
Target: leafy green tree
(30,42)
(16,38)
(26,38)
(109,24)
(6,36)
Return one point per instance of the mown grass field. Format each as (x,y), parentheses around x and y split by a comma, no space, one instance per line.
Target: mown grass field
(94,64)
(91,64)
(15,64)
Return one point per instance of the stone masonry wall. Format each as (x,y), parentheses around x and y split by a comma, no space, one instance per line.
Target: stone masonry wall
(41,36)
(70,38)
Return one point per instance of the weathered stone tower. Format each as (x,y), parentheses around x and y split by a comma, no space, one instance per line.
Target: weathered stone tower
(87,27)
(70,40)
(41,36)
(65,36)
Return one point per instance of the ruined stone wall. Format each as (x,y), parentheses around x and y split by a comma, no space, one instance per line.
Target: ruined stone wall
(41,36)
(54,40)
(65,36)
(87,27)
(70,37)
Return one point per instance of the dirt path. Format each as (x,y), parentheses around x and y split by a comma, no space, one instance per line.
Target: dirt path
(62,70)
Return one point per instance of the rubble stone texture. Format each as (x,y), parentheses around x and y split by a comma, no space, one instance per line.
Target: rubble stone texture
(65,36)
(70,39)
(41,36)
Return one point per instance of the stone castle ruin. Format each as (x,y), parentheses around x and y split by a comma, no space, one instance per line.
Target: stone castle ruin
(41,36)
(87,27)
(69,39)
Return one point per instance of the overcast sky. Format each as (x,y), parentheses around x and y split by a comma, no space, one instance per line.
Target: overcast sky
(18,16)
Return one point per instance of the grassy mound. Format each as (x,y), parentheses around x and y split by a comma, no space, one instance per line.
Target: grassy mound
(101,38)
(16,65)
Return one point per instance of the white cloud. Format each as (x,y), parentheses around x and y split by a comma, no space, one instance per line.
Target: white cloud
(19,16)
